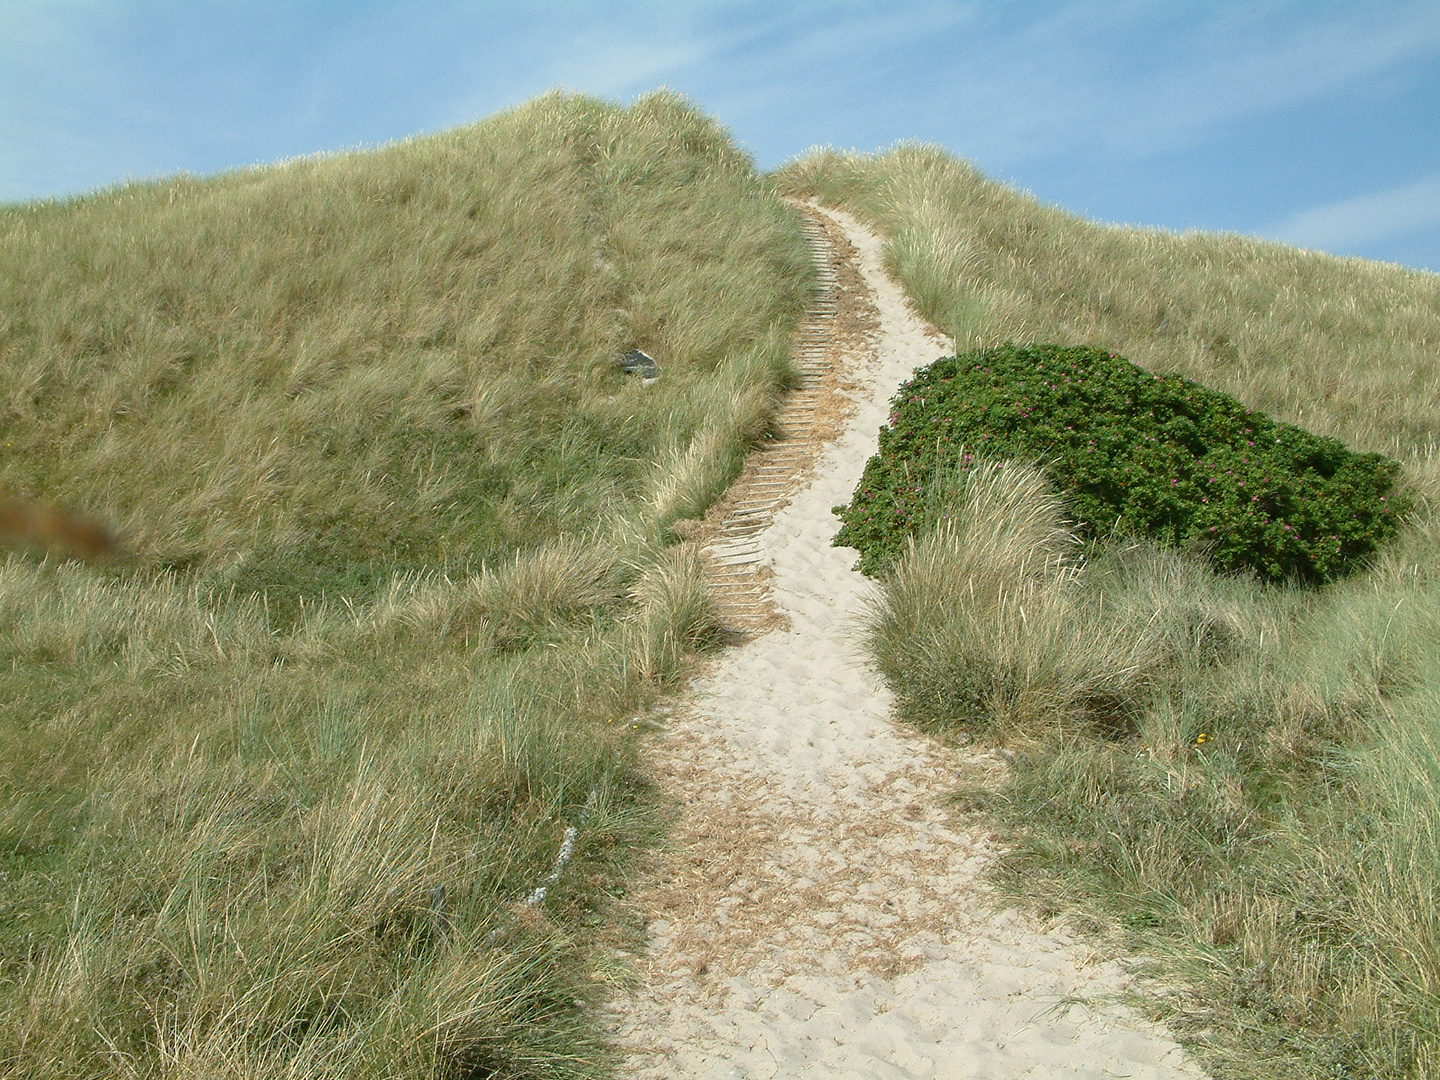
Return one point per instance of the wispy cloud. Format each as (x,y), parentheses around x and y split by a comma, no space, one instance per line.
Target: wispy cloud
(1148,77)
(736,58)
(1005,84)
(1351,223)
(600,60)
(1270,57)
(1134,90)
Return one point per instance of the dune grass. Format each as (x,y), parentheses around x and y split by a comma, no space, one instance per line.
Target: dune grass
(400,592)
(1240,780)
(1341,346)
(393,358)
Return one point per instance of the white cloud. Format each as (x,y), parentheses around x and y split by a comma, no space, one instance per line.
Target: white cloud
(606,64)
(738,55)
(1010,84)
(1150,77)
(1350,223)
(1005,84)
(1243,67)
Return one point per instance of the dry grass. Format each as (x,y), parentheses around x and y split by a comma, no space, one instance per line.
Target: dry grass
(404,355)
(1251,795)
(399,587)
(983,624)
(1341,346)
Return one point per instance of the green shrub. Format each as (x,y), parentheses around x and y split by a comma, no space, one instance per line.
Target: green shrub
(1146,455)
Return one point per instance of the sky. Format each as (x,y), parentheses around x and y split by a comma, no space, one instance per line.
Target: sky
(1315,122)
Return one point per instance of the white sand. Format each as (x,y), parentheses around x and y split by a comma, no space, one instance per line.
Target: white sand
(821,913)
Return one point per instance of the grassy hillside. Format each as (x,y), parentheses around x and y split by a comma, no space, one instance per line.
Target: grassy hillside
(1244,780)
(1344,347)
(274,788)
(395,357)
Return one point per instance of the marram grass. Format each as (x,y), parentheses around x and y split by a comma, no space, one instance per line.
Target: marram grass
(1238,780)
(397,585)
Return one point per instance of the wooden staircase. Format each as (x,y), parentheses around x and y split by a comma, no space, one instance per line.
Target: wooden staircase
(733,556)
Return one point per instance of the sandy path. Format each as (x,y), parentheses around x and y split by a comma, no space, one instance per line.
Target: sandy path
(819,912)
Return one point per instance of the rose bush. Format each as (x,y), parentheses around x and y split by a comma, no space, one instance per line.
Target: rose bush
(1133,452)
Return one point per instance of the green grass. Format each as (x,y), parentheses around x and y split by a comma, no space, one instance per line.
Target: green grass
(393,357)
(1242,781)
(400,593)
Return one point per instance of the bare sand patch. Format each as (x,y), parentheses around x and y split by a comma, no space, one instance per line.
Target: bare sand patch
(819,911)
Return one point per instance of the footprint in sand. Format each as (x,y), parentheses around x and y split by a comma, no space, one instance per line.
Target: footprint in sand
(818,913)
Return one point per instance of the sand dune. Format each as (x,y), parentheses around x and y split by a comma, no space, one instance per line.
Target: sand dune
(820,912)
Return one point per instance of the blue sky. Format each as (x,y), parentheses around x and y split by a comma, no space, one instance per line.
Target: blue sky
(1309,121)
